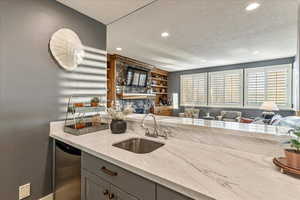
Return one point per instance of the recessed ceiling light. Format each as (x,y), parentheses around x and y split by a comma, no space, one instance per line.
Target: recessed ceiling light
(204,61)
(165,34)
(252,6)
(256,52)
(119,49)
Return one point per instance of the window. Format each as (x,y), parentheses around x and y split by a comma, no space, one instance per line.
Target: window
(269,84)
(193,89)
(226,88)
(175,100)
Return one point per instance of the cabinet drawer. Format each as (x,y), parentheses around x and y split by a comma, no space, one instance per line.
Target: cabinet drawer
(127,181)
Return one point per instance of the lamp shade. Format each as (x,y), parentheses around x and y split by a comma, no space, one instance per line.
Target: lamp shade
(269,106)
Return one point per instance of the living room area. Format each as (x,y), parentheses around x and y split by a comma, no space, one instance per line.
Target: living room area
(257,92)
(248,73)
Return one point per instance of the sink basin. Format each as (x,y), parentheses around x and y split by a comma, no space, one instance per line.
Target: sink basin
(139,145)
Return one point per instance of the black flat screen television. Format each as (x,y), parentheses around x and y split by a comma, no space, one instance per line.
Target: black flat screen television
(136,77)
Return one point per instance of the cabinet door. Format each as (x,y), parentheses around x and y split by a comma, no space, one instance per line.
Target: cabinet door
(131,183)
(167,194)
(117,194)
(93,187)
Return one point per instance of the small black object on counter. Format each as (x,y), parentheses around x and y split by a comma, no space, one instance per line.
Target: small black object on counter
(118,126)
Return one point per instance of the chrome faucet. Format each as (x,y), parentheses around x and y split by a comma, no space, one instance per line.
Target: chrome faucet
(156,131)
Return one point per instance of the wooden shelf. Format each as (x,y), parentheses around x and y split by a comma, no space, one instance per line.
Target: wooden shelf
(159,86)
(162,74)
(159,72)
(136,96)
(163,110)
(111,76)
(82,109)
(160,93)
(159,79)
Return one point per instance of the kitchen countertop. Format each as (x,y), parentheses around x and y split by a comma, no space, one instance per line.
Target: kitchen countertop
(198,161)
(254,128)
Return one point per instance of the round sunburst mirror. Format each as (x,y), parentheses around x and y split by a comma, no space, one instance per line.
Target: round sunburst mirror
(67,49)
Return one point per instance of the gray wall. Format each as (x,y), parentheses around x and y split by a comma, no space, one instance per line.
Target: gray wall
(297,66)
(29,88)
(174,85)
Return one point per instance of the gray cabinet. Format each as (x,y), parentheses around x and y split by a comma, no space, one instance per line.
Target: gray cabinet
(93,187)
(163,193)
(118,194)
(123,184)
(102,180)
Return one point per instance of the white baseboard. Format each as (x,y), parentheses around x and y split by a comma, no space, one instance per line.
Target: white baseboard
(48,197)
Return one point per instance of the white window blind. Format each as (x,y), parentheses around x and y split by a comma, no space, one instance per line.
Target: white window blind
(268,84)
(193,89)
(226,88)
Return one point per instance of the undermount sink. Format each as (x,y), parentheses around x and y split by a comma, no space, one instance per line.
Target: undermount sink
(139,145)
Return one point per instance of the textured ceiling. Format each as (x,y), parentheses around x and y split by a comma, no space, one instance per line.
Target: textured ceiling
(106,11)
(203,33)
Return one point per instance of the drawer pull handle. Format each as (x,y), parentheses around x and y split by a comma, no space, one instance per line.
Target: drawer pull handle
(109,172)
(111,196)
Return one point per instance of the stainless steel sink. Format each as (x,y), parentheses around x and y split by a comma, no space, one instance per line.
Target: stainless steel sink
(139,145)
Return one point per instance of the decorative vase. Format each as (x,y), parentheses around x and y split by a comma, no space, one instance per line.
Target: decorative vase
(94,104)
(118,126)
(293,158)
(78,104)
(80,125)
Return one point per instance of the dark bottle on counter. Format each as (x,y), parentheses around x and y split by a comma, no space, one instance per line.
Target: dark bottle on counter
(151,110)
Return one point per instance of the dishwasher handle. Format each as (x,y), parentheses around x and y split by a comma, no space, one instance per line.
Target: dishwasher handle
(67,148)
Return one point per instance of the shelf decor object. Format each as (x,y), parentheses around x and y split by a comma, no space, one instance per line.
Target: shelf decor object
(95,102)
(159,85)
(83,117)
(269,107)
(284,168)
(293,154)
(291,163)
(67,49)
(136,96)
(118,123)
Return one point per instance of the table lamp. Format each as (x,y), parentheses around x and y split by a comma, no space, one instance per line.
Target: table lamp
(269,107)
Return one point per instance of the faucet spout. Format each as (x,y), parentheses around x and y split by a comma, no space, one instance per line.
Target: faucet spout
(155,131)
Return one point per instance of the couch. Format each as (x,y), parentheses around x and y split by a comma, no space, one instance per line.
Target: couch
(230,116)
(190,113)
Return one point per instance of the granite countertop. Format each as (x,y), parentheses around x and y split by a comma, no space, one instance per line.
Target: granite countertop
(197,161)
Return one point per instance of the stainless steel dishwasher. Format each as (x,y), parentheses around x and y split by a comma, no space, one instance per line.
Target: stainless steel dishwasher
(67,166)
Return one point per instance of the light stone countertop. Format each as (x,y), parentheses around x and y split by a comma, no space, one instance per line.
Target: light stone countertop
(198,161)
(255,128)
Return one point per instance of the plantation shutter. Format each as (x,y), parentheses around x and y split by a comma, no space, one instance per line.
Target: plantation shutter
(226,88)
(193,90)
(269,84)
(255,87)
